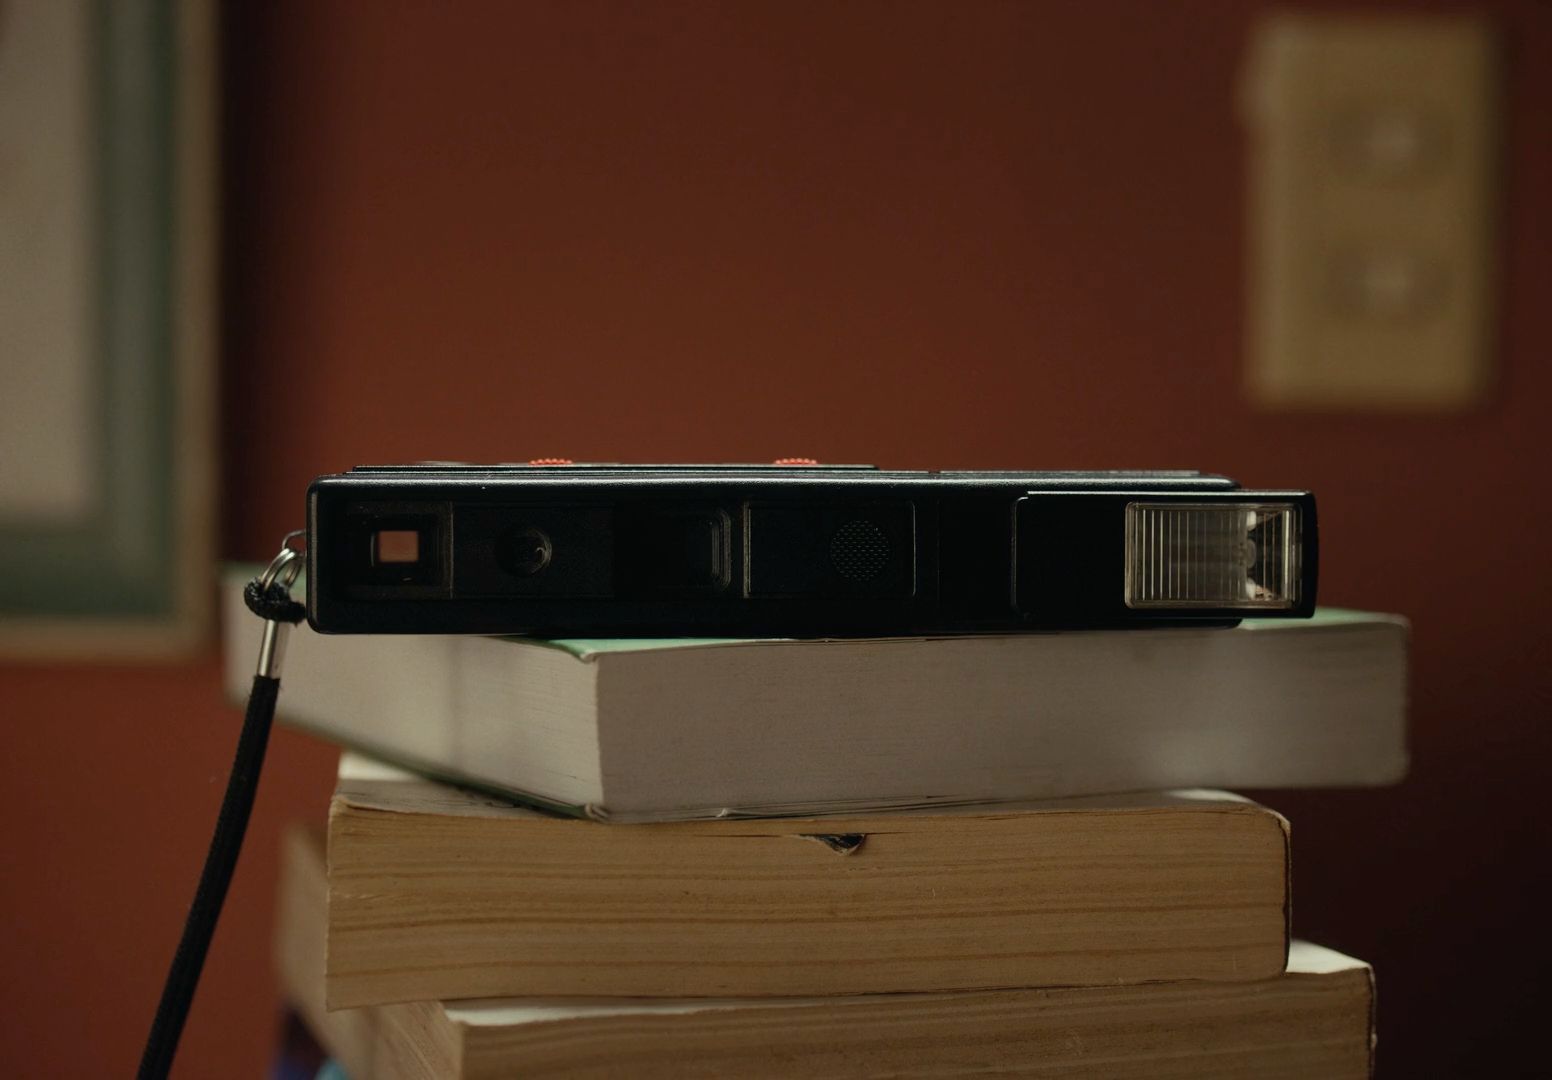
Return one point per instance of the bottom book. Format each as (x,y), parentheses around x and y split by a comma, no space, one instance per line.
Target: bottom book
(1316,1020)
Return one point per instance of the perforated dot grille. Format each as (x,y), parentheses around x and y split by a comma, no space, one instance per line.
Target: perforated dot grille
(859,550)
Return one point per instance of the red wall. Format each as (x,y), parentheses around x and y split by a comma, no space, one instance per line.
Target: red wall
(922,235)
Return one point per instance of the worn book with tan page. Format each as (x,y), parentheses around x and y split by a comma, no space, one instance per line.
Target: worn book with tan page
(1315,1019)
(435,892)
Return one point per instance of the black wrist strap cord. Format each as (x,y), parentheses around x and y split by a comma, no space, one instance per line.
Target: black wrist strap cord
(268,597)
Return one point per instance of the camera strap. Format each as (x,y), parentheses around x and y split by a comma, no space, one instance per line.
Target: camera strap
(269,597)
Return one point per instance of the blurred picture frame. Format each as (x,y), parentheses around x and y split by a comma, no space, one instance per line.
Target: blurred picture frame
(107,327)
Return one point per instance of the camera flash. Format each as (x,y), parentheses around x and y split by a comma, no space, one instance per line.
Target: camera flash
(396,546)
(1212,555)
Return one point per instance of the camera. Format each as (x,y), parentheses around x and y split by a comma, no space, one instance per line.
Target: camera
(565,550)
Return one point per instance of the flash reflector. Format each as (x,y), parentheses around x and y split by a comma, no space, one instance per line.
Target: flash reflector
(1212,555)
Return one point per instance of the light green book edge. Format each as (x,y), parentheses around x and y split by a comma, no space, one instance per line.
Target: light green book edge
(587,648)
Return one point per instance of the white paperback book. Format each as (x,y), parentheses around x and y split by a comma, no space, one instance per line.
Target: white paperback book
(648,729)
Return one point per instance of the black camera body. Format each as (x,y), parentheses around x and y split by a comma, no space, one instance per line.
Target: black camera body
(564,550)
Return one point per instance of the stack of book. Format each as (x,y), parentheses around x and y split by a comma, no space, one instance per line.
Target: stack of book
(763,858)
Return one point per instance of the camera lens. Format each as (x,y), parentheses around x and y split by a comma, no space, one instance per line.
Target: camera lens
(523,550)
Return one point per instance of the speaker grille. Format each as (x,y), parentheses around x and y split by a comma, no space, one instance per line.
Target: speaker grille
(859,550)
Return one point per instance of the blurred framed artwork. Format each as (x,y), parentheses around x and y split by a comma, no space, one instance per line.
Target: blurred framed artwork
(107,326)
